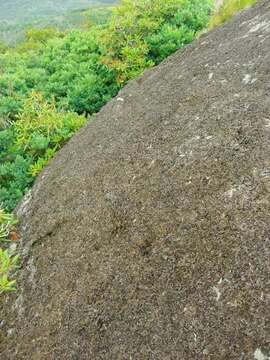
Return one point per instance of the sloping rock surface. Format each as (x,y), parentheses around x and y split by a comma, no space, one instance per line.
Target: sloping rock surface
(147,237)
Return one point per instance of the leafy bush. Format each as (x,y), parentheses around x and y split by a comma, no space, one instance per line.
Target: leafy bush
(15,180)
(14,168)
(67,68)
(143,32)
(28,145)
(40,126)
(228,9)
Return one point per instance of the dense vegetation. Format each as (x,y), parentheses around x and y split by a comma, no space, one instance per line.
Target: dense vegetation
(53,81)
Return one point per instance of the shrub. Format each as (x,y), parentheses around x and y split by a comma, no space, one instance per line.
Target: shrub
(41,126)
(27,146)
(14,167)
(65,67)
(41,130)
(143,32)
(15,180)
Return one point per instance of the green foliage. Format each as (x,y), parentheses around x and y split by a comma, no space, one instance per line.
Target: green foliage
(38,166)
(8,261)
(14,170)
(67,68)
(15,180)
(227,10)
(6,285)
(144,32)
(7,221)
(36,38)
(40,126)
(27,146)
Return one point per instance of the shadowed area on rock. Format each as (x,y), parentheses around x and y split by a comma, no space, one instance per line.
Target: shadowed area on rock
(147,237)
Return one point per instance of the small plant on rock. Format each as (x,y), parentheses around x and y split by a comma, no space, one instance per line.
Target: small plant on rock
(8,260)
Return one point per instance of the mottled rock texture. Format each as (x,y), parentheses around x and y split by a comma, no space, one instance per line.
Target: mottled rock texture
(147,237)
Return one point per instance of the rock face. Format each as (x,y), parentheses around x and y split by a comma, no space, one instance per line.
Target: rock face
(147,237)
